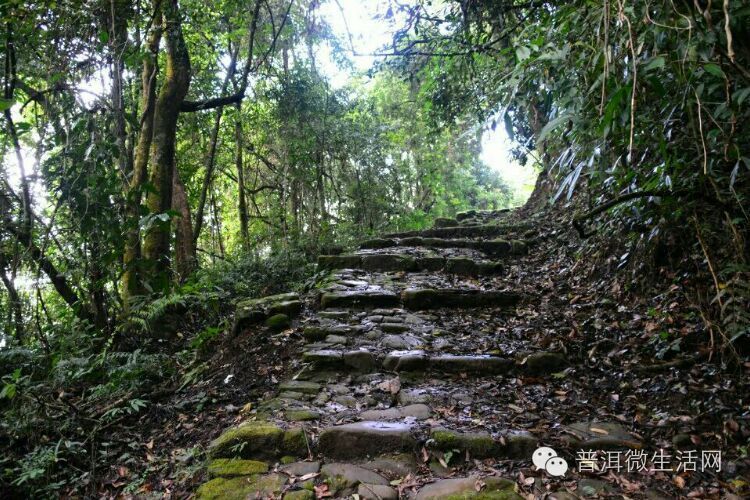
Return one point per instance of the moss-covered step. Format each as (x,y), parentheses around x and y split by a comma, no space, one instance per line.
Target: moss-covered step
(513,445)
(249,312)
(494,247)
(433,298)
(402,263)
(235,467)
(241,488)
(259,440)
(360,360)
(367,438)
(485,488)
(357,299)
(473,364)
(481,231)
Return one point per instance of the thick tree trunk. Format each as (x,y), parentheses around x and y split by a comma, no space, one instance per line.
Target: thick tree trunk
(185,258)
(156,245)
(132,280)
(241,201)
(14,302)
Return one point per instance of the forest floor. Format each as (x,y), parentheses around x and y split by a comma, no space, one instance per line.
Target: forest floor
(403,388)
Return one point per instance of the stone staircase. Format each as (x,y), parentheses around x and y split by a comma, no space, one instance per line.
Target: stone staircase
(405,369)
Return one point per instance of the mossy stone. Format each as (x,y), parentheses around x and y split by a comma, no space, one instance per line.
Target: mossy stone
(231,467)
(294,442)
(278,322)
(299,495)
(289,307)
(478,444)
(249,440)
(240,488)
(302,415)
(287,459)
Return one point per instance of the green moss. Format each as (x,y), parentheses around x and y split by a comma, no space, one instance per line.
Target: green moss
(228,467)
(251,439)
(294,442)
(278,322)
(287,459)
(299,495)
(240,488)
(302,415)
(479,445)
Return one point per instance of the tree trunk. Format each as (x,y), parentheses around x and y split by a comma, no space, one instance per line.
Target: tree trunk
(166,112)
(14,301)
(184,244)
(132,279)
(241,201)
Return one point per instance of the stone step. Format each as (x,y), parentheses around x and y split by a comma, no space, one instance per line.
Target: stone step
(433,298)
(493,247)
(398,262)
(366,438)
(359,299)
(464,231)
(418,361)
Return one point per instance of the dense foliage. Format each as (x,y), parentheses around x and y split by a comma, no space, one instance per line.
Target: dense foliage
(635,109)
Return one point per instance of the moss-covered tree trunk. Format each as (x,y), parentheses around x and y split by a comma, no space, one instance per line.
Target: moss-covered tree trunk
(156,245)
(132,281)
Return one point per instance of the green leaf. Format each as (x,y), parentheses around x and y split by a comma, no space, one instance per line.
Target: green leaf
(103,36)
(551,125)
(657,62)
(523,53)
(714,69)
(5,104)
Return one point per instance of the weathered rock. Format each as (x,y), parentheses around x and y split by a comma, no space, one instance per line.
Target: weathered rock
(349,475)
(388,262)
(480,231)
(248,440)
(478,444)
(231,467)
(324,357)
(359,299)
(241,488)
(413,396)
(406,361)
(393,327)
(542,363)
(519,445)
(299,495)
(431,298)
(278,322)
(299,469)
(314,332)
(416,411)
(445,222)
(394,466)
(376,492)
(493,488)
(600,436)
(431,264)
(361,360)
(340,315)
(253,311)
(377,243)
(294,442)
(289,307)
(482,365)
(365,439)
(301,415)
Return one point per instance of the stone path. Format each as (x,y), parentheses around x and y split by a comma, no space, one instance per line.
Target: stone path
(406,377)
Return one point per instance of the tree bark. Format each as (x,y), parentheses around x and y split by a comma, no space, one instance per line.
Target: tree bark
(132,280)
(166,112)
(185,253)
(241,201)
(14,301)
